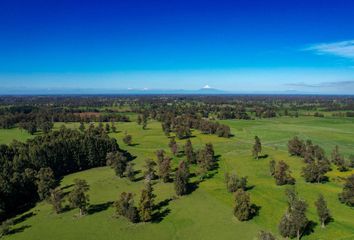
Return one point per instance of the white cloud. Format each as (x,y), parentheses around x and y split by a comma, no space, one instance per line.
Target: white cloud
(206,87)
(343,49)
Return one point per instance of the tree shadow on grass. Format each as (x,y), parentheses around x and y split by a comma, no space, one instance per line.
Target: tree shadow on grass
(96,208)
(264,156)
(18,230)
(310,228)
(161,210)
(255,210)
(24,217)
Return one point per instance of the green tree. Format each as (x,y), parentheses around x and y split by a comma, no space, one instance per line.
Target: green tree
(127,139)
(347,195)
(107,128)
(78,197)
(315,171)
(164,169)
(322,210)
(56,199)
(233,182)
(282,174)
(243,209)
(182,179)
(125,207)
(173,146)
(113,127)
(130,172)
(257,147)
(82,127)
(263,235)
(117,161)
(188,151)
(150,172)
(45,182)
(146,204)
(338,159)
(272,165)
(294,221)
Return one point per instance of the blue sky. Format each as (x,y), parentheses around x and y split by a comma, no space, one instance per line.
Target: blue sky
(241,46)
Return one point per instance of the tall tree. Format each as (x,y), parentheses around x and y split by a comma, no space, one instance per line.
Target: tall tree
(82,127)
(347,195)
(282,174)
(117,161)
(146,204)
(56,199)
(45,182)
(164,169)
(322,210)
(315,170)
(338,159)
(127,139)
(272,165)
(125,207)
(182,179)
(113,127)
(294,221)
(188,151)
(130,172)
(150,172)
(243,209)
(233,182)
(257,147)
(78,197)
(173,146)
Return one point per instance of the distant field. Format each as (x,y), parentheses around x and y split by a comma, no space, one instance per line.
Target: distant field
(207,212)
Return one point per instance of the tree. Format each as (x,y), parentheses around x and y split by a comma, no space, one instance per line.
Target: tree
(82,127)
(127,139)
(315,171)
(338,159)
(243,209)
(347,195)
(160,154)
(257,147)
(117,161)
(282,174)
(56,199)
(272,165)
(150,172)
(322,210)
(78,197)
(188,151)
(113,127)
(164,169)
(46,126)
(144,121)
(146,204)
(182,179)
(45,182)
(296,147)
(294,221)
(173,146)
(125,207)
(262,235)
(233,182)
(129,171)
(107,128)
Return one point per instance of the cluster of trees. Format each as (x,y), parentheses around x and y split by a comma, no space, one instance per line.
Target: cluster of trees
(33,118)
(29,170)
(183,124)
(295,222)
(281,173)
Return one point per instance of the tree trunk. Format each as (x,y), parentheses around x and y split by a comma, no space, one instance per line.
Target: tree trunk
(80,212)
(322,224)
(298,234)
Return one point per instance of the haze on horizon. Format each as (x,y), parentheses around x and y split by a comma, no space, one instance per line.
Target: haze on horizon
(236,46)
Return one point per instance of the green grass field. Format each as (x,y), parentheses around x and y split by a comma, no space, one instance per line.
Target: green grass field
(207,212)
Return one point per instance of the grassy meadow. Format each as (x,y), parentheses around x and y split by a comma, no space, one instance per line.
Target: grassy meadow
(206,213)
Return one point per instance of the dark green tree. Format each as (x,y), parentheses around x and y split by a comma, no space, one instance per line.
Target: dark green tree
(130,172)
(173,146)
(233,182)
(82,127)
(56,199)
(272,165)
(347,195)
(322,210)
(294,221)
(45,182)
(117,161)
(164,169)
(78,197)
(127,139)
(188,151)
(282,174)
(338,159)
(263,235)
(243,209)
(125,207)
(257,147)
(146,204)
(150,172)
(182,179)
